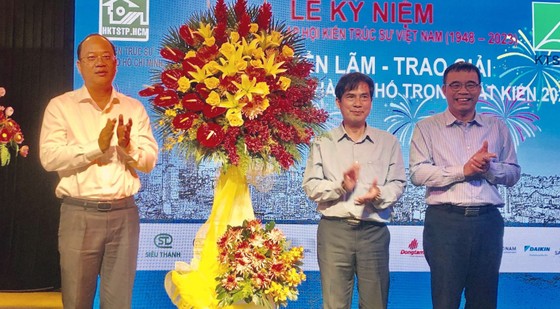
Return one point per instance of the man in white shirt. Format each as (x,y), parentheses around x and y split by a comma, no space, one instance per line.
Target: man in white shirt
(355,174)
(97,153)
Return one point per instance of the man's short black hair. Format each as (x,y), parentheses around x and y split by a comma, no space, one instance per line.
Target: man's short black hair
(351,81)
(461,66)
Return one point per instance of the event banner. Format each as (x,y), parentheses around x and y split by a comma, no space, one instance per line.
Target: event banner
(405,47)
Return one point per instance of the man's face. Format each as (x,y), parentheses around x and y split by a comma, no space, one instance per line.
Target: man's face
(355,105)
(97,63)
(461,90)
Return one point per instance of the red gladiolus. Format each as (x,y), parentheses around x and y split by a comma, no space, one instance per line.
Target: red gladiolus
(265,14)
(220,33)
(166,98)
(192,102)
(210,135)
(244,25)
(213,111)
(240,8)
(221,12)
(184,121)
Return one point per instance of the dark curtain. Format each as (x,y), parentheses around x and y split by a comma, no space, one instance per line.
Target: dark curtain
(36,64)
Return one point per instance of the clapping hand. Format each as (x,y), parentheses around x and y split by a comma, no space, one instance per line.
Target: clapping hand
(372,194)
(106,134)
(479,162)
(123,132)
(350,177)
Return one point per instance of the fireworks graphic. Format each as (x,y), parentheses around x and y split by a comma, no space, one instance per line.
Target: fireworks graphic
(323,101)
(403,118)
(516,114)
(538,72)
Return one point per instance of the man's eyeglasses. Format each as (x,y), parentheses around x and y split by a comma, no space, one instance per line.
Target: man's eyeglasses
(93,58)
(456,86)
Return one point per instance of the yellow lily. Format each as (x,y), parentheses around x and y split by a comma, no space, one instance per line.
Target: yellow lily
(270,67)
(205,30)
(248,87)
(200,74)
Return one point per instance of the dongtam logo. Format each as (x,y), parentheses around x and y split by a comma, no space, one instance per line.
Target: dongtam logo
(546,26)
(163,240)
(124,20)
(412,246)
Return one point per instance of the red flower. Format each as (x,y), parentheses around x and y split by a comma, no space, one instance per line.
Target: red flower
(151,90)
(5,135)
(265,14)
(172,54)
(170,78)
(210,135)
(213,111)
(18,137)
(184,121)
(192,102)
(189,36)
(166,98)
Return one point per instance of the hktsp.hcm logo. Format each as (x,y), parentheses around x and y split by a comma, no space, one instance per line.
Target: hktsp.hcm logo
(546,26)
(124,20)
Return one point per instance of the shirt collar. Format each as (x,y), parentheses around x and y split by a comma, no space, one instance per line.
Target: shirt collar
(84,97)
(450,119)
(339,133)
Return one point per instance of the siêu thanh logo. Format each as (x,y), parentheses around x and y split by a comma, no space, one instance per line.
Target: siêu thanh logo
(546,26)
(124,20)
(163,240)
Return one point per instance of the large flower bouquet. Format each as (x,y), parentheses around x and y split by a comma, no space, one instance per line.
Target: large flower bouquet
(257,265)
(236,89)
(10,134)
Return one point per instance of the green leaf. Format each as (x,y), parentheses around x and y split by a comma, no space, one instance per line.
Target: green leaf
(4,155)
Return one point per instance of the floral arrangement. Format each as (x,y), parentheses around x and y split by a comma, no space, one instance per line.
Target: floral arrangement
(256,265)
(236,89)
(10,134)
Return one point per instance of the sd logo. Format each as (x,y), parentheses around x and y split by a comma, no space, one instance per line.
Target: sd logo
(163,240)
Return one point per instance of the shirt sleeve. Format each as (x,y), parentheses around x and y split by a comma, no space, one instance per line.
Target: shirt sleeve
(423,171)
(315,185)
(142,152)
(395,182)
(55,153)
(504,170)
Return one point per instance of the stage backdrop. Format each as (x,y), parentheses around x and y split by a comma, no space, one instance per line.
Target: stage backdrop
(405,47)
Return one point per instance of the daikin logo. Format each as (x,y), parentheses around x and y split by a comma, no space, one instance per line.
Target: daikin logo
(125,20)
(537,249)
(546,26)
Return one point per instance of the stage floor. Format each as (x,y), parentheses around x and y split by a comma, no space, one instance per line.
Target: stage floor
(24,300)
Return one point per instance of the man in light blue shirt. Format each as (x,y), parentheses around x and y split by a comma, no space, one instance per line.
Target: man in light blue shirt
(355,174)
(461,156)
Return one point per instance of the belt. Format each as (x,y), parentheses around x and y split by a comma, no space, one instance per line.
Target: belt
(353,221)
(100,205)
(467,211)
